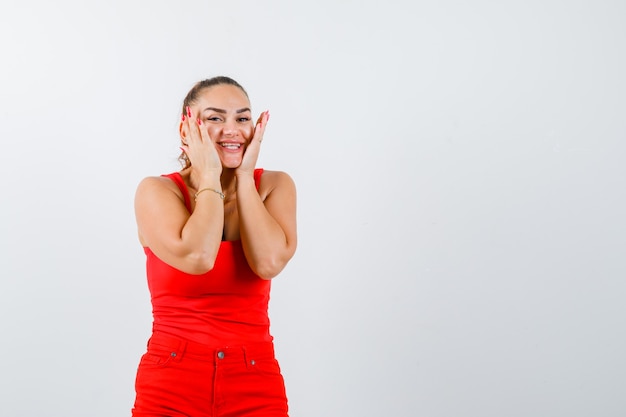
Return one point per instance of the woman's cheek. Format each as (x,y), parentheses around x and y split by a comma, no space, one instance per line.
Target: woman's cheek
(213,133)
(249,132)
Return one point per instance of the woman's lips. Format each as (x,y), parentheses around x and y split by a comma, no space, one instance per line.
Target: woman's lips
(231,146)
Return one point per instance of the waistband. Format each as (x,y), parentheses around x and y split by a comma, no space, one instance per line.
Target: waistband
(180,347)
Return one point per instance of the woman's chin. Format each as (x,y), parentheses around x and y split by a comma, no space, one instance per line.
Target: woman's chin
(231,163)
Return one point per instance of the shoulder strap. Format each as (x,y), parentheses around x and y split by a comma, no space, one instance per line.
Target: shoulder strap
(257,177)
(178,180)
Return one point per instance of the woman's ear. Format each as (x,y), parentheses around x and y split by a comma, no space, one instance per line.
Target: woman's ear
(182,134)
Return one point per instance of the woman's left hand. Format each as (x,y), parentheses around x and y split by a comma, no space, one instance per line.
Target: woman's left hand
(251,155)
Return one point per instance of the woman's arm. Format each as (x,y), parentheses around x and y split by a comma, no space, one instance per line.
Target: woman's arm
(267,220)
(267,226)
(186,242)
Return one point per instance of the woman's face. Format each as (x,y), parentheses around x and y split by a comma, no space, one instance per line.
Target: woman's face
(225,113)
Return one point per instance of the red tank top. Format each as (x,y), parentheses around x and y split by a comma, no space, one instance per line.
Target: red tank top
(226,306)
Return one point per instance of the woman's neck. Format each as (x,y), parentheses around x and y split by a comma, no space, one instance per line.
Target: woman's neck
(229,183)
(228,180)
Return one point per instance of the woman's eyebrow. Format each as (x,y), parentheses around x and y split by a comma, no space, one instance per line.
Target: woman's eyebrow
(215,109)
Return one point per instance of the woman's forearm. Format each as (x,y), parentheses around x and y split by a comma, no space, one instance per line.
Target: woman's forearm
(267,238)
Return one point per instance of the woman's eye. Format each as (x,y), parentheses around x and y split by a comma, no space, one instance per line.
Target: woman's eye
(244,119)
(213,119)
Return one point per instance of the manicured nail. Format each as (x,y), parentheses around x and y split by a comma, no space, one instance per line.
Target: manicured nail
(183,118)
(199,122)
(188,111)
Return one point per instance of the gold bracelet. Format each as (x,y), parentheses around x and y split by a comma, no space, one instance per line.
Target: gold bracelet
(195,196)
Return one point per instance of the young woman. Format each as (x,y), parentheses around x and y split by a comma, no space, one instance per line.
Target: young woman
(214,234)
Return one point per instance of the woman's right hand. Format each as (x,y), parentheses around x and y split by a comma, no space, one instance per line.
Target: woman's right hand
(198,146)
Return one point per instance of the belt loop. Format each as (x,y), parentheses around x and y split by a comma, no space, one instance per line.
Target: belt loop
(245,356)
(183,347)
(179,350)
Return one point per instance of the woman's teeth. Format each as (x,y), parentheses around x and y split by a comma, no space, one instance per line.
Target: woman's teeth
(231,145)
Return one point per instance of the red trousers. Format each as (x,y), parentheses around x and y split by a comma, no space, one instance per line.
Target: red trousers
(179,378)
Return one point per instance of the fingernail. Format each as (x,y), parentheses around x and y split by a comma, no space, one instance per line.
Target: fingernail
(183,118)
(199,122)
(188,111)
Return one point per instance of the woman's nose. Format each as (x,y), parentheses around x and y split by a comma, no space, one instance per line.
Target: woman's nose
(230,129)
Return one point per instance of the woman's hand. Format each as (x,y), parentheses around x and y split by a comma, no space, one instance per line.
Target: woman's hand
(198,145)
(251,155)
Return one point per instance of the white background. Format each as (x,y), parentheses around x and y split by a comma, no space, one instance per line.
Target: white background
(461,180)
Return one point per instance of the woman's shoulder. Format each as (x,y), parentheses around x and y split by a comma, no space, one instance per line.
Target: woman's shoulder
(160,183)
(275,177)
(275,180)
